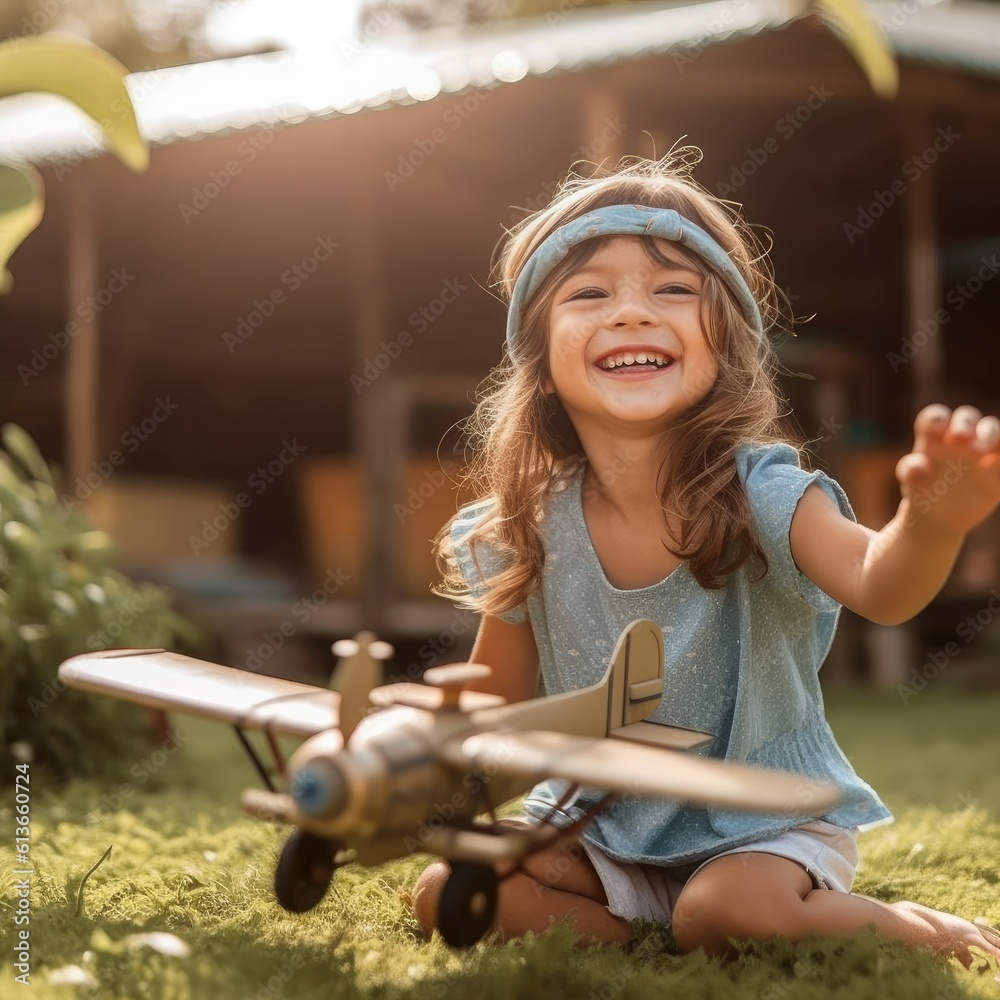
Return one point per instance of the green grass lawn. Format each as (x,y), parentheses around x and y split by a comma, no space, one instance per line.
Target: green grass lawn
(186,862)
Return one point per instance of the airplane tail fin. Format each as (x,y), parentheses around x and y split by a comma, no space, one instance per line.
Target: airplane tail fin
(636,674)
(636,690)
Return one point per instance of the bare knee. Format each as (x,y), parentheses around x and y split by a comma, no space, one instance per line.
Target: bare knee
(427,893)
(708,918)
(711,930)
(700,923)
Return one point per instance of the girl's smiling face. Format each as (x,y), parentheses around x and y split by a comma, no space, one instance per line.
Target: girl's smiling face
(626,339)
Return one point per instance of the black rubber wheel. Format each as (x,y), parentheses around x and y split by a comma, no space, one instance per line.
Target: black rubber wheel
(305,871)
(467,903)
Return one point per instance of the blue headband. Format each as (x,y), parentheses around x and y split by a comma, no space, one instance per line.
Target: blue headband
(626,220)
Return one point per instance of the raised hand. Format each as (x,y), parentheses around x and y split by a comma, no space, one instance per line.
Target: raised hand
(952,475)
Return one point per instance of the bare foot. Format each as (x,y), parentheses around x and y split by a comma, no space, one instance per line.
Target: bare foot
(954,935)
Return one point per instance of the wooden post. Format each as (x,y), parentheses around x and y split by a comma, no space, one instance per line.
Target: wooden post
(370,423)
(83,353)
(892,648)
(923,269)
(604,124)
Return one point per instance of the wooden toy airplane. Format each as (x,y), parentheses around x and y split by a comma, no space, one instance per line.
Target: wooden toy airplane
(419,773)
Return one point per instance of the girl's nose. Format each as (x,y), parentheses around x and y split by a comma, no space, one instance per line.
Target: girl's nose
(629,309)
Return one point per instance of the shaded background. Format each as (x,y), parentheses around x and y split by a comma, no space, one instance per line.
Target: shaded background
(292,305)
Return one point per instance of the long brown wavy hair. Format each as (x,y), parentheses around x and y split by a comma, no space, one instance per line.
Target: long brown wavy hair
(523,444)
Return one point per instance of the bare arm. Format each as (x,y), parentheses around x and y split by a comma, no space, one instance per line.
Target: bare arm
(950,482)
(511,651)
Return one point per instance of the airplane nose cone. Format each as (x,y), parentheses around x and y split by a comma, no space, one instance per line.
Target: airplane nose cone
(319,789)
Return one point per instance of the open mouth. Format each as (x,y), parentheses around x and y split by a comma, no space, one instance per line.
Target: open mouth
(638,361)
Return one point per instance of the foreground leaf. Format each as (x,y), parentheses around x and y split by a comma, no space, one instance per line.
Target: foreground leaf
(84,74)
(865,41)
(21,203)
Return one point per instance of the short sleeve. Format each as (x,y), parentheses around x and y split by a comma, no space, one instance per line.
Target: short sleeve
(775,482)
(490,562)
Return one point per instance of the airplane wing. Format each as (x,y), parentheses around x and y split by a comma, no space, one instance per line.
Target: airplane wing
(634,769)
(172,682)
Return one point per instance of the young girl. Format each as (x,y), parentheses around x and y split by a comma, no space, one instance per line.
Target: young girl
(635,465)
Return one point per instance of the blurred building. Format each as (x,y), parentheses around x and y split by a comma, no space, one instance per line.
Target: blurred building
(252,355)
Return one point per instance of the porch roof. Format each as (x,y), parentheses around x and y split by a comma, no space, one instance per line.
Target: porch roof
(368,73)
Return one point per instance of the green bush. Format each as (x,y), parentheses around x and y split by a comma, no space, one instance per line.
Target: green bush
(61,595)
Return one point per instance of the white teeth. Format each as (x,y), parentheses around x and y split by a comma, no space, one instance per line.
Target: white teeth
(628,358)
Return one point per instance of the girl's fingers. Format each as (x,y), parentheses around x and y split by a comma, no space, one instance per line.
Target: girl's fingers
(932,420)
(987,434)
(964,422)
(963,955)
(983,951)
(990,934)
(913,469)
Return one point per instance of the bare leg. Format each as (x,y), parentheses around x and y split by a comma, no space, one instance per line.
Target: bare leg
(561,882)
(755,896)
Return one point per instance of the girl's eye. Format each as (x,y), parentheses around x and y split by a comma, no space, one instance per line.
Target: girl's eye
(588,293)
(678,290)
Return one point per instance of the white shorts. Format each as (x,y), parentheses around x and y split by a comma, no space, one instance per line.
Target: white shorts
(828,853)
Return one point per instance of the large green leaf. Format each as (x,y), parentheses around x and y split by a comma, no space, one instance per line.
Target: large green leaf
(865,41)
(83,74)
(21,202)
